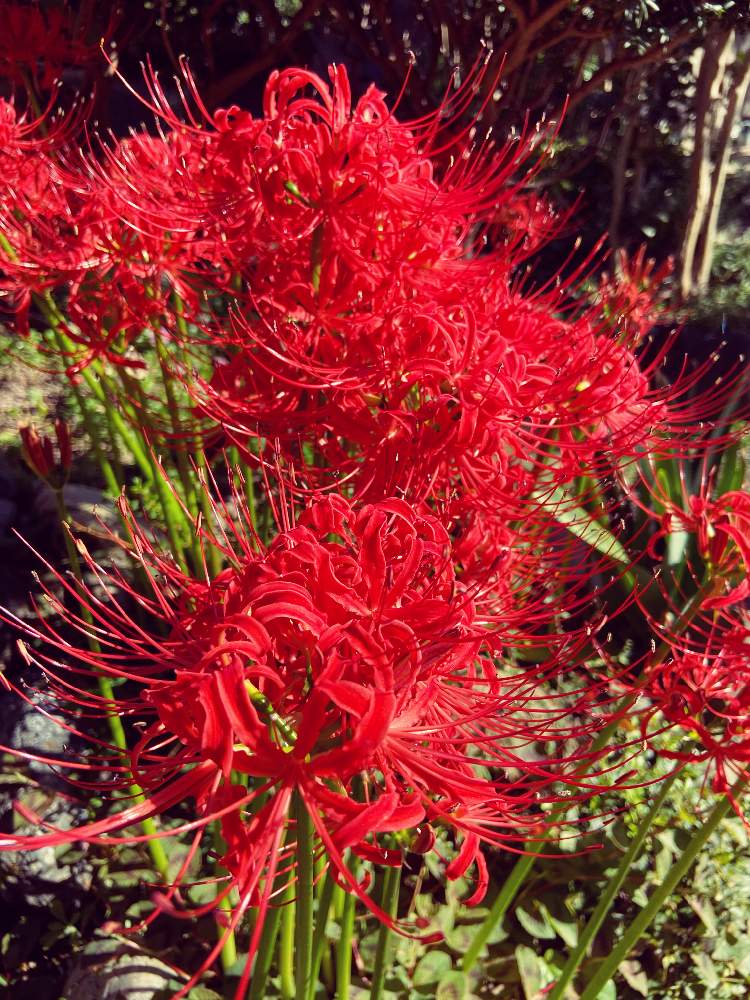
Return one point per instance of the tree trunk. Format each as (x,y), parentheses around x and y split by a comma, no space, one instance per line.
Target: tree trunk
(620,168)
(708,86)
(619,180)
(722,155)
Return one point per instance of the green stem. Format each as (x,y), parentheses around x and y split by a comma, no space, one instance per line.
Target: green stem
(91,374)
(389,903)
(114,445)
(228,956)
(243,470)
(610,891)
(247,475)
(303,928)
(316,255)
(229,948)
(174,515)
(286,945)
(155,845)
(344,945)
(518,875)
(325,969)
(213,553)
(524,864)
(660,895)
(279,915)
(264,957)
(285,732)
(320,941)
(183,466)
(111,478)
(498,909)
(338,903)
(115,423)
(31,93)
(107,394)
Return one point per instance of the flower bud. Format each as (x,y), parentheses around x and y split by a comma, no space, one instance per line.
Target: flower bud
(62,432)
(39,453)
(36,451)
(424,840)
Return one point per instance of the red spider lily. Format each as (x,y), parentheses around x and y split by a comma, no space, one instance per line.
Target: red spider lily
(345,664)
(203,203)
(527,223)
(266,184)
(38,208)
(629,295)
(705,693)
(378,314)
(720,526)
(402,356)
(722,529)
(448,396)
(698,680)
(39,453)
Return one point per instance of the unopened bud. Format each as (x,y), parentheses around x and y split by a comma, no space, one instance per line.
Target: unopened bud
(36,451)
(63,444)
(424,840)
(39,453)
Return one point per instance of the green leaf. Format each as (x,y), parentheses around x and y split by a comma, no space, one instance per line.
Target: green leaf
(566,927)
(706,913)
(459,938)
(607,992)
(538,927)
(367,947)
(634,976)
(706,969)
(731,471)
(581,524)
(640,896)
(453,986)
(503,969)
(431,968)
(532,970)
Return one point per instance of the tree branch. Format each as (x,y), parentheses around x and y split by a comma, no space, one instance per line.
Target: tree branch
(227,85)
(654,55)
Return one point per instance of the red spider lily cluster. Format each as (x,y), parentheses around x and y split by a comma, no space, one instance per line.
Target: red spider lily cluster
(419,647)
(345,663)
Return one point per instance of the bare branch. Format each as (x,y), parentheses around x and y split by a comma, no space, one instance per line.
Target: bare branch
(227,85)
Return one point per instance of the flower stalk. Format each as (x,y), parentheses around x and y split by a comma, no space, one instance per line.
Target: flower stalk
(343,948)
(389,905)
(303,930)
(499,908)
(286,944)
(320,941)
